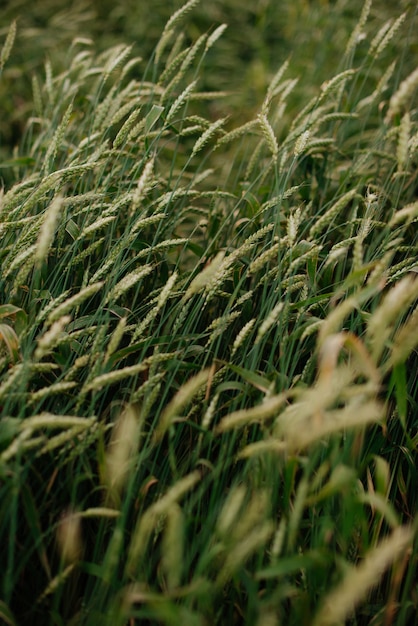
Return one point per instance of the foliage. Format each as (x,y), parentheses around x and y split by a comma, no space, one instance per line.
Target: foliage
(208,322)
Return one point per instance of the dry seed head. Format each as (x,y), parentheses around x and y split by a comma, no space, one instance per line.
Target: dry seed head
(334,320)
(207,135)
(57,582)
(378,274)
(412,145)
(409,213)
(220,324)
(254,514)
(402,95)
(127,126)
(69,436)
(269,136)
(51,305)
(150,398)
(246,296)
(180,100)
(230,511)
(167,289)
(278,539)
(399,270)
(21,260)
(286,88)
(330,351)
(242,335)
(340,603)
(312,253)
(11,379)
(210,412)
(164,39)
(357,33)
(147,521)
(311,329)
(255,159)
(396,301)
(57,138)
(379,37)
(49,420)
(270,320)
(69,538)
(180,13)
(170,25)
(56,388)
(268,409)
(115,338)
(176,492)
(144,222)
(301,143)
(272,87)
(8,45)
(174,59)
(384,36)
(110,378)
(259,262)
(226,266)
(140,538)
(183,397)
(242,550)
(330,86)
(402,149)
(237,132)
(358,253)
(302,434)
(51,338)
(334,210)
(213,38)
(146,389)
(74,301)
(79,363)
(127,282)
(186,63)
(21,442)
(144,183)
(293,222)
(121,451)
(127,67)
(104,109)
(99,223)
(172,547)
(168,198)
(316,143)
(116,59)
(405,340)
(206,276)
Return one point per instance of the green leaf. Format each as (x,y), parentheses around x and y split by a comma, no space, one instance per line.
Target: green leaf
(260,382)
(293,564)
(399,383)
(6,615)
(72,229)
(9,337)
(152,117)
(18,162)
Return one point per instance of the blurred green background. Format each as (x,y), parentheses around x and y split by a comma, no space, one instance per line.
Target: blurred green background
(260,36)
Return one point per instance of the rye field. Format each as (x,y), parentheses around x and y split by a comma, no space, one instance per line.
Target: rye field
(208,313)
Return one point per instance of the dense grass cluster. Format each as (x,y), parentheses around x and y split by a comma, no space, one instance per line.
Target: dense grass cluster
(208,322)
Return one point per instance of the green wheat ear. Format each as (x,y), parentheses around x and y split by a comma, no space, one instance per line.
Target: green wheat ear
(8,45)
